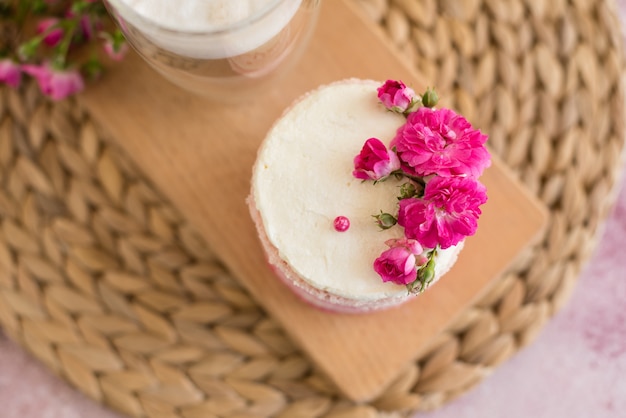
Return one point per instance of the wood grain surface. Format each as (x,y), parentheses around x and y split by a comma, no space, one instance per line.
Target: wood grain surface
(200,154)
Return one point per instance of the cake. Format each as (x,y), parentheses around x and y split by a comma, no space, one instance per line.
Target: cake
(338,211)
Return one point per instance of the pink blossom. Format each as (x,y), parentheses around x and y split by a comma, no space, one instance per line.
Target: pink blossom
(446,214)
(115,53)
(53,35)
(396,96)
(90,26)
(10,73)
(58,84)
(440,142)
(375,161)
(399,263)
(86,27)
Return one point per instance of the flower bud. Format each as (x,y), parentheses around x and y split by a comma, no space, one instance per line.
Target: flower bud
(375,161)
(407,191)
(385,220)
(397,97)
(50,30)
(398,263)
(430,98)
(427,273)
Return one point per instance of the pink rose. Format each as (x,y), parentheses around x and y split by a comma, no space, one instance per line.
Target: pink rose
(53,35)
(10,73)
(446,214)
(375,161)
(399,263)
(440,142)
(58,84)
(396,96)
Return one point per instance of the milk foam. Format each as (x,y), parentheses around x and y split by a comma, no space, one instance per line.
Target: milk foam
(197,28)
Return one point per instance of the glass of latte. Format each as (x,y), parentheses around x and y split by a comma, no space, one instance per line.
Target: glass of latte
(228,50)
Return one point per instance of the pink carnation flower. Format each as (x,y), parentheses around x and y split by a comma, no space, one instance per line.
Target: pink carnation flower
(10,73)
(53,35)
(396,96)
(440,142)
(57,84)
(446,214)
(399,263)
(375,161)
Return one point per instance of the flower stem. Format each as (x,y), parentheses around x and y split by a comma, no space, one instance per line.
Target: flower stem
(23,10)
(60,58)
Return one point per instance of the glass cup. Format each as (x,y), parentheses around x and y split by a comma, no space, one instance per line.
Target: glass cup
(228,50)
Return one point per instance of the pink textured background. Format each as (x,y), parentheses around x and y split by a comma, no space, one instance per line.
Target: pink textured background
(575,369)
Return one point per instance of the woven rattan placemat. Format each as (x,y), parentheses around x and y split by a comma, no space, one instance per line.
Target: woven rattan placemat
(104,282)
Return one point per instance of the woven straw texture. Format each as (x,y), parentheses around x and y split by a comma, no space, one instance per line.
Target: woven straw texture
(106,284)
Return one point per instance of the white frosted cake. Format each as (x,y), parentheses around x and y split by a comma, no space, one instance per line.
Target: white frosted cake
(316,220)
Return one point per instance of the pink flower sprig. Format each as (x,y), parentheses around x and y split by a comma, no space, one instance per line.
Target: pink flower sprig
(440,156)
(397,97)
(407,263)
(49,52)
(50,30)
(55,83)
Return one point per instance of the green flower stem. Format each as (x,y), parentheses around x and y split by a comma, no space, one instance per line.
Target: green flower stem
(23,10)
(92,68)
(28,49)
(418,180)
(69,26)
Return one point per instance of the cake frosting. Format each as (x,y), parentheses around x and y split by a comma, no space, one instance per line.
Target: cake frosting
(303,179)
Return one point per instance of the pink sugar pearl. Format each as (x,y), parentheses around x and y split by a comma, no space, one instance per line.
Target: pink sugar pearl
(341,223)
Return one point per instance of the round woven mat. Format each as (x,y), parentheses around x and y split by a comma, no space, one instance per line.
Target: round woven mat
(105,283)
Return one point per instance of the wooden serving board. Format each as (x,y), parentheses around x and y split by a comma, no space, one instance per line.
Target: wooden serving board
(200,154)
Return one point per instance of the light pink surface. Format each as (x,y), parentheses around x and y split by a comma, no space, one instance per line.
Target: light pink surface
(575,369)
